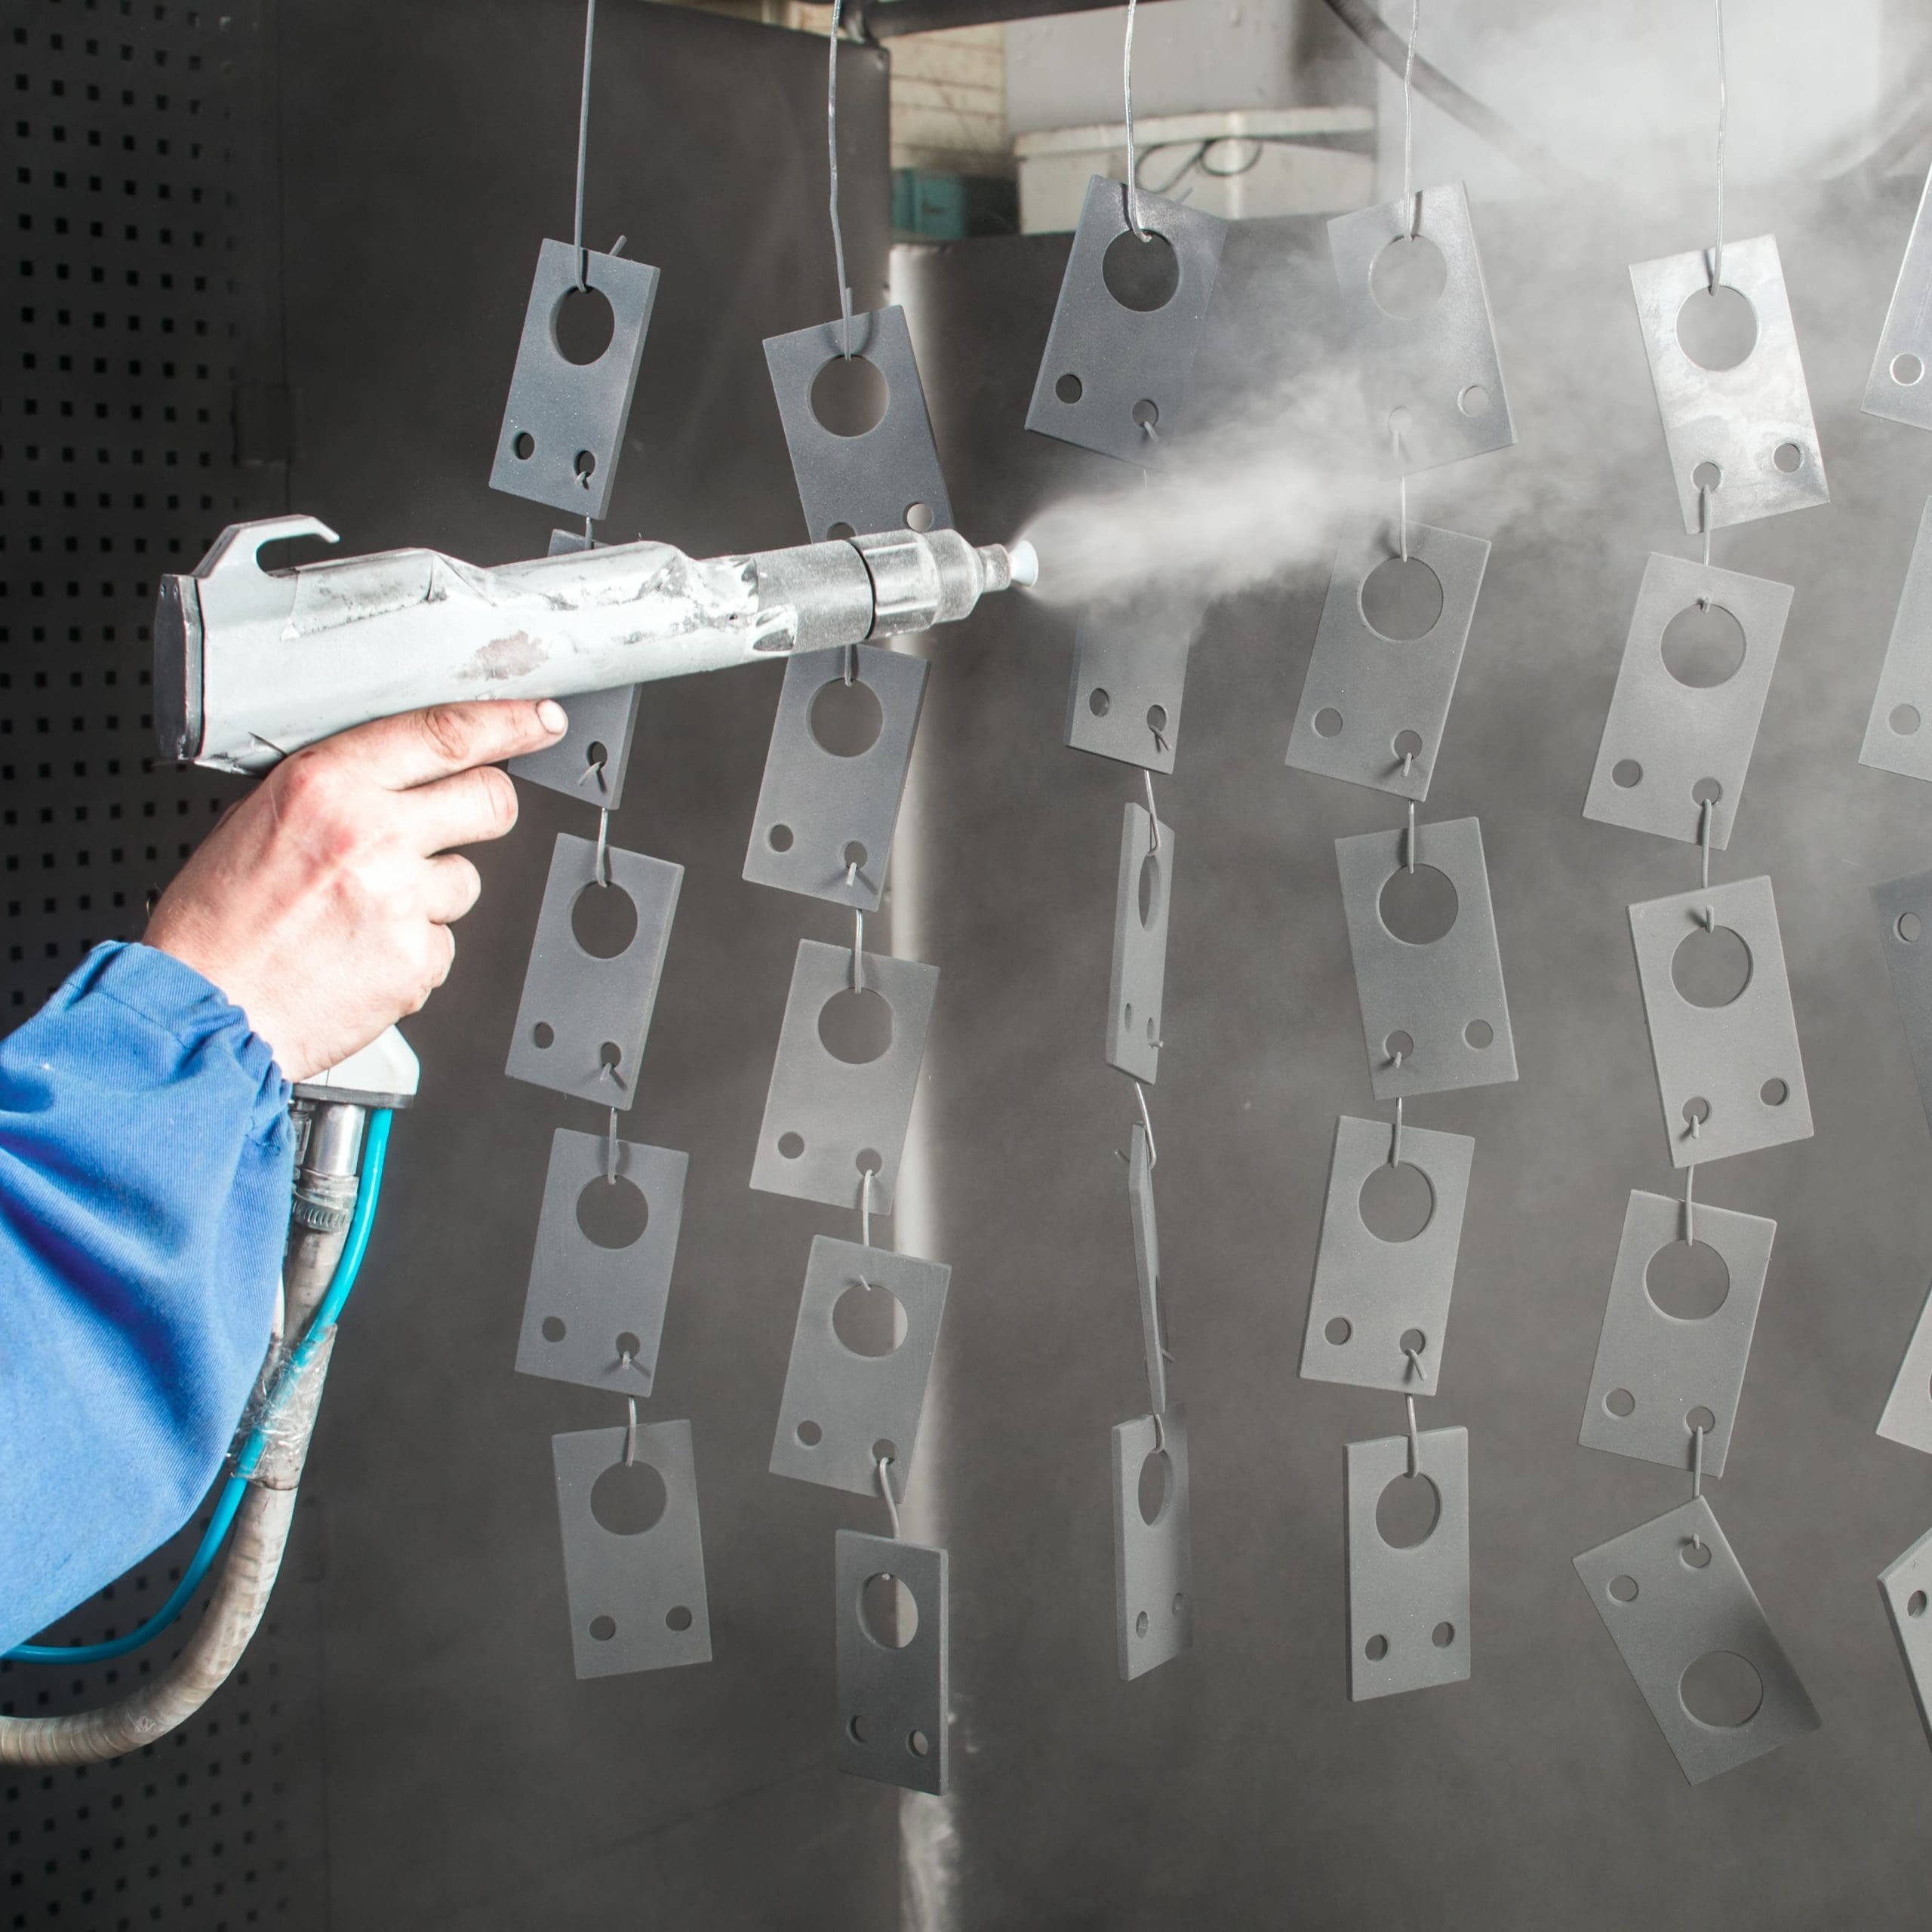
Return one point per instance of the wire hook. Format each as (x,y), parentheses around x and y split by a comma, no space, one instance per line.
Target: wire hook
(1395,1138)
(1153,816)
(1690,1205)
(610,1149)
(858,943)
(865,1209)
(831,156)
(582,155)
(1415,1441)
(1147,1126)
(1133,164)
(885,1490)
(603,872)
(1409,859)
(1416,1367)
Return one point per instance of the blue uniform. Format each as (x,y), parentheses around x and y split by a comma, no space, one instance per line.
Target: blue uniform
(146,1160)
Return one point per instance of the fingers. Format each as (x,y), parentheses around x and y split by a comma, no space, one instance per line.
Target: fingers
(461,810)
(417,747)
(454,887)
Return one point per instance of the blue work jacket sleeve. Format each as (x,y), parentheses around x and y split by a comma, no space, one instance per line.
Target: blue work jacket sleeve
(146,1159)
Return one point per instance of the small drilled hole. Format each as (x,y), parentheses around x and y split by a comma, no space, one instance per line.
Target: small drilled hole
(1625,773)
(1069,389)
(1624,1588)
(1620,1402)
(1338,1330)
(1328,721)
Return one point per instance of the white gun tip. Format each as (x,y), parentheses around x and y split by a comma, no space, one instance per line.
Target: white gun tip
(1025,561)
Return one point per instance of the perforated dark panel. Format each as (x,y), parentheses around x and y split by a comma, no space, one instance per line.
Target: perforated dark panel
(141,305)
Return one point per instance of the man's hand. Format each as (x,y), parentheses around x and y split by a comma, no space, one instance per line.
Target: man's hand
(321,905)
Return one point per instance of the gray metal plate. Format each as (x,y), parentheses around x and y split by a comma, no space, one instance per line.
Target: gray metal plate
(887,478)
(1408,1609)
(1138,982)
(1894,390)
(893,1698)
(1147,1263)
(637,1602)
(1129,673)
(1677,737)
(1442,994)
(1737,418)
(1374,1292)
(581,1022)
(595,1314)
(1898,735)
(1905,1586)
(1112,360)
(1736,1058)
(823,1114)
(1908,1414)
(1363,691)
(1153,1562)
(589,761)
(841,1411)
(1669,1366)
(1440,368)
(1904,905)
(818,811)
(566,412)
(1681,1612)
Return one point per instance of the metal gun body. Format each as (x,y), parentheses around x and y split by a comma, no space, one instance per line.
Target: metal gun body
(251,665)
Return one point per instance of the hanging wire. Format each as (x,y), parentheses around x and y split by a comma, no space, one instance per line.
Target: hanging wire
(603,874)
(885,1490)
(1132,165)
(1412,201)
(1147,1126)
(832,155)
(1409,844)
(1690,1205)
(583,155)
(1153,818)
(865,1206)
(858,947)
(1704,530)
(610,1150)
(1415,1440)
(1724,106)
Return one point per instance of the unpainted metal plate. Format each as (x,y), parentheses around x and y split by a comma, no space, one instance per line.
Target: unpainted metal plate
(888,477)
(1664,741)
(594,1313)
(1741,1061)
(1681,1612)
(1408,1608)
(842,1410)
(582,1020)
(1898,735)
(564,424)
(1365,695)
(1139,984)
(1739,418)
(821,812)
(1105,361)
(637,1602)
(1908,1414)
(1153,1562)
(824,1115)
(1905,1586)
(1899,385)
(1434,374)
(893,1697)
(1147,1263)
(1370,1292)
(1665,1367)
(1447,996)
(1130,674)
(1904,906)
(590,760)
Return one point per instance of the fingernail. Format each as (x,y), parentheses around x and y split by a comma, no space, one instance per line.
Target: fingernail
(552,715)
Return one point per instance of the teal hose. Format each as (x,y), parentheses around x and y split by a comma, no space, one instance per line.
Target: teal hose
(354,1245)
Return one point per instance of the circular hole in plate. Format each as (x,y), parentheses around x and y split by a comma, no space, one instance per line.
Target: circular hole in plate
(870,1321)
(1406,1512)
(1396,1202)
(1141,271)
(1688,1280)
(855,1026)
(887,1612)
(1720,1690)
(628,1498)
(1717,328)
(1157,1477)
(1711,968)
(1407,276)
(604,920)
(1402,599)
(849,396)
(1703,648)
(612,1214)
(1418,907)
(582,324)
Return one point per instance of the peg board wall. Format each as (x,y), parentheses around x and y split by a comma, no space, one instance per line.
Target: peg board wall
(134,191)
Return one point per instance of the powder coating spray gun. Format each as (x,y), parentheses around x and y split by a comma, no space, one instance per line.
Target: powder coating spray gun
(251,665)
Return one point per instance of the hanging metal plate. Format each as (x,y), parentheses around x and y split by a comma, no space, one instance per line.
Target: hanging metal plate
(843,1411)
(1129,673)
(886,478)
(1147,1263)
(1665,744)
(821,812)
(1369,1293)
(893,1689)
(564,424)
(1153,1555)
(1898,735)
(1735,1068)
(1111,373)
(594,1313)
(1445,998)
(581,1022)
(1900,386)
(1368,699)
(1433,375)
(827,1120)
(637,1600)
(589,761)
(1409,1608)
(1904,910)
(1906,1585)
(1749,420)
(1655,1371)
(1908,1415)
(1139,984)
(1664,1612)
